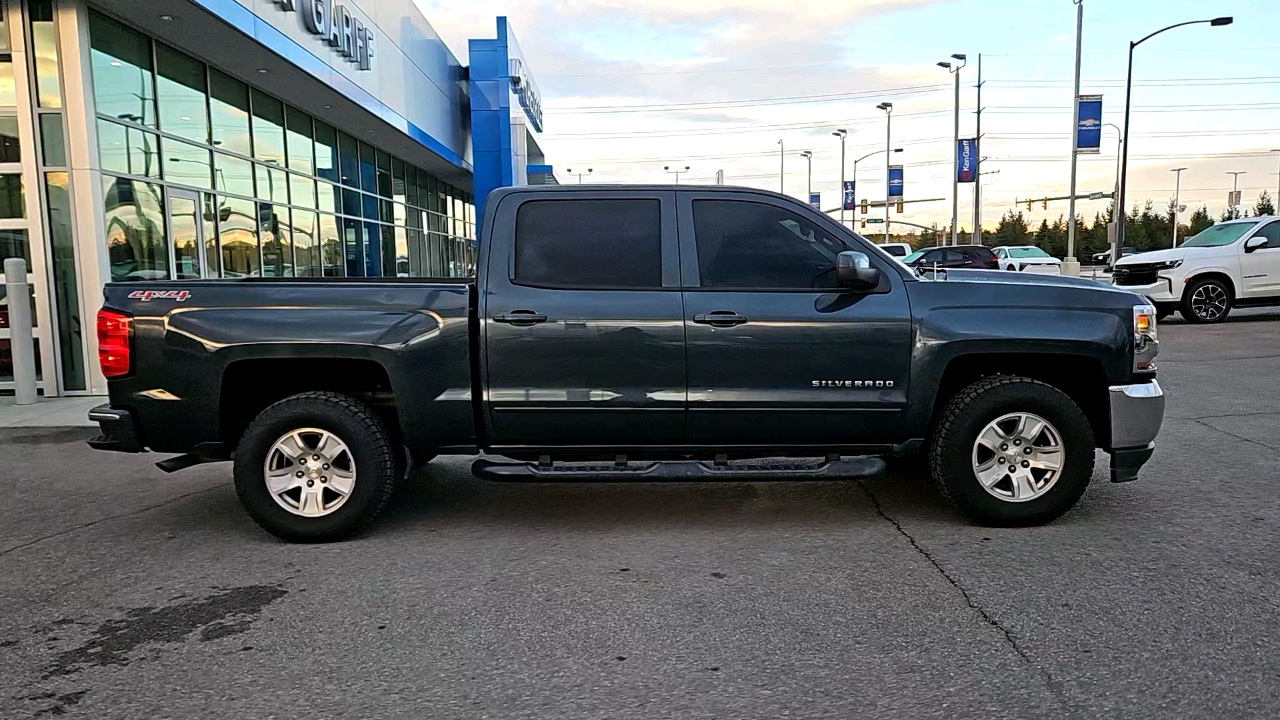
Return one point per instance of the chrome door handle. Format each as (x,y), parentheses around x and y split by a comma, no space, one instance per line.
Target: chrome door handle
(520,317)
(725,318)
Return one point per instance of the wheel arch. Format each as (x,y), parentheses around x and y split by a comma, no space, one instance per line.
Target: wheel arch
(1083,378)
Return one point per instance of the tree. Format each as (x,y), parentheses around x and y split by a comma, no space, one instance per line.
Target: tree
(1264,206)
(1012,229)
(1200,220)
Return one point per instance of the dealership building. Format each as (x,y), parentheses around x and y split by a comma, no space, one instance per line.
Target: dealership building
(190,139)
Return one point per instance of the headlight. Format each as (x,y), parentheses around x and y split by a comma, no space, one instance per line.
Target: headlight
(1146,342)
(1167,265)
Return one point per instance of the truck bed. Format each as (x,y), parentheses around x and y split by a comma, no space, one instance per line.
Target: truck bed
(403,344)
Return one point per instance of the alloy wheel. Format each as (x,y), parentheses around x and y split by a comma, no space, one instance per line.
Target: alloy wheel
(1018,457)
(310,472)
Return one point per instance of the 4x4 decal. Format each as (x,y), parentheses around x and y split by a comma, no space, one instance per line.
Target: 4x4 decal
(147,295)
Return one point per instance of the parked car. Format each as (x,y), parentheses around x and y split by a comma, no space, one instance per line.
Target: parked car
(1104,257)
(635,333)
(898,250)
(973,257)
(1232,264)
(1027,257)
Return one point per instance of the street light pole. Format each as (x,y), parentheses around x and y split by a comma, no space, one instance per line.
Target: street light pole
(1275,202)
(782,168)
(571,172)
(1124,153)
(1177,198)
(1071,266)
(854,220)
(887,107)
(842,134)
(808,188)
(955,157)
(1235,187)
(977,181)
(676,172)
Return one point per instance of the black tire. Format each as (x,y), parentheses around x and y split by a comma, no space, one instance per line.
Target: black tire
(1163,311)
(965,416)
(1193,312)
(372,452)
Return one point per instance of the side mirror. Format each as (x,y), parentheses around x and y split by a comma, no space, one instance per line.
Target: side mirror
(1254,243)
(854,271)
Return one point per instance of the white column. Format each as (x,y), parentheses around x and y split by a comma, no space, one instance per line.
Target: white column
(41,277)
(93,266)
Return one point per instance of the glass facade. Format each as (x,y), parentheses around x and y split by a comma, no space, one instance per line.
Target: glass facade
(281,193)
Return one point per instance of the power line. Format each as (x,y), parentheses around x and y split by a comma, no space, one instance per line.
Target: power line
(717,104)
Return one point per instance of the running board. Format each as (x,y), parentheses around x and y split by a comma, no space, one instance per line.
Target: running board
(833,468)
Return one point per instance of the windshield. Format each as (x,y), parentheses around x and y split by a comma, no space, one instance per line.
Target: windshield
(913,256)
(1027,252)
(895,250)
(1218,235)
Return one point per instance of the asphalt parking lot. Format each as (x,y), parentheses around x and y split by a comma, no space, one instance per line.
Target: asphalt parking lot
(129,593)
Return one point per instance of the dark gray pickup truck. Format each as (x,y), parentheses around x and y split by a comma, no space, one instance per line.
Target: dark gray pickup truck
(636,333)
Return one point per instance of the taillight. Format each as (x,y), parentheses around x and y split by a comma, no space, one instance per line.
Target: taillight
(114,331)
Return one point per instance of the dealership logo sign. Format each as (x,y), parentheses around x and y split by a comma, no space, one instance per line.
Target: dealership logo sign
(526,92)
(335,25)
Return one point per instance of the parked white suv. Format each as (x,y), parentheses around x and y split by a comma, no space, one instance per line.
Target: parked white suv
(1027,257)
(1232,264)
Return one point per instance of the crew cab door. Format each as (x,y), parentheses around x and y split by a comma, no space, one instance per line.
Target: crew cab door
(581,318)
(777,355)
(1260,267)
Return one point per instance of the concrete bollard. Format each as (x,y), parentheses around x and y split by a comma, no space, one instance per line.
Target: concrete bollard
(21,346)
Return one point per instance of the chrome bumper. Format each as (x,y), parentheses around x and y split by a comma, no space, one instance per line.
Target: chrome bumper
(1137,411)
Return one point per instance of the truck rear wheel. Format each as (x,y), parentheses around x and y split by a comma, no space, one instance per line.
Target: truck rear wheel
(1012,452)
(315,467)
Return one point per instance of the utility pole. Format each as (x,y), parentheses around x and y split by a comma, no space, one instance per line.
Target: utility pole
(782,168)
(1177,198)
(1071,266)
(808,187)
(842,134)
(955,157)
(977,180)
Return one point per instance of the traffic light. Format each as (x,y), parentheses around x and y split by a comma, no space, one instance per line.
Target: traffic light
(899,206)
(864,223)
(864,209)
(1028,206)
(1046,203)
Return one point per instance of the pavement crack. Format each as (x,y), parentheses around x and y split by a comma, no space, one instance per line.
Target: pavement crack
(91,523)
(1010,639)
(1198,421)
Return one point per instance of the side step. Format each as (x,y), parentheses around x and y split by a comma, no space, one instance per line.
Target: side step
(832,468)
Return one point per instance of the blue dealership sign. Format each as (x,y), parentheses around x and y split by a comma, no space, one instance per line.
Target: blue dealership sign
(849,195)
(895,181)
(1089,124)
(967,160)
(815,199)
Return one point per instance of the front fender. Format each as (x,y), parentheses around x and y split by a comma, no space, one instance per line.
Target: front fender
(945,334)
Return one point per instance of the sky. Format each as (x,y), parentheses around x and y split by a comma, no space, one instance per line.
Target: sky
(631,86)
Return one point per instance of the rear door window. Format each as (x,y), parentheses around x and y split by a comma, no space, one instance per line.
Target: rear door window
(589,244)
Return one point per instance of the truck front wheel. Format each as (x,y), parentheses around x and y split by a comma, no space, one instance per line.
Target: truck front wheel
(315,467)
(1012,452)
(1206,301)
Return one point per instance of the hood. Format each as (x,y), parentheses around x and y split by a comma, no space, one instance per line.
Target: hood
(1176,254)
(1010,278)
(1038,261)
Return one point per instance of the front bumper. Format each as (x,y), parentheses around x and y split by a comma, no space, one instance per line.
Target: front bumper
(119,431)
(1137,412)
(1161,291)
